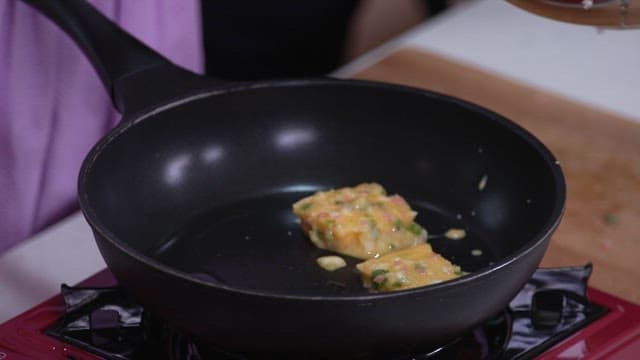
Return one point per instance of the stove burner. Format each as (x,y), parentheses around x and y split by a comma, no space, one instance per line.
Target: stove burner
(549,308)
(104,321)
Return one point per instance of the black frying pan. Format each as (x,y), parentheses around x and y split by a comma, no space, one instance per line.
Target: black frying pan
(189,199)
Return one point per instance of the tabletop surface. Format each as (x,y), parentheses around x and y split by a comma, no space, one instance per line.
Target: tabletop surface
(517,56)
(599,154)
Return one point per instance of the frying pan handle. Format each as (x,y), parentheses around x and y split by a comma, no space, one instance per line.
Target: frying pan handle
(134,74)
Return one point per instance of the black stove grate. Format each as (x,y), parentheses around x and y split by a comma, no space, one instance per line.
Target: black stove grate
(549,308)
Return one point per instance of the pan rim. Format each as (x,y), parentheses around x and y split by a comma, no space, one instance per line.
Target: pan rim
(542,237)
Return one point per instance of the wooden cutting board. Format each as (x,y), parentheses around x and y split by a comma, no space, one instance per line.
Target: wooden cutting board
(599,153)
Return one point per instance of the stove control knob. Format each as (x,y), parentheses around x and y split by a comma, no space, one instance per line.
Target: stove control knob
(546,308)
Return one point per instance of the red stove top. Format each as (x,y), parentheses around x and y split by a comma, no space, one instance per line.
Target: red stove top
(616,335)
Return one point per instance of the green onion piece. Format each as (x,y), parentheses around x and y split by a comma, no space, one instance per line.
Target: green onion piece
(377,285)
(398,224)
(377,272)
(610,219)
(414,228)
(306,206)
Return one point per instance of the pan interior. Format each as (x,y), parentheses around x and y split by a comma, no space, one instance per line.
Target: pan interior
(206,187)
(257,244)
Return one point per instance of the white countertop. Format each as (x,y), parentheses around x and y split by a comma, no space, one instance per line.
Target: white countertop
(598,67)
(579,62)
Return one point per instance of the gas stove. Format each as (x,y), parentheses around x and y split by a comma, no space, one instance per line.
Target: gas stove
(555,316)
